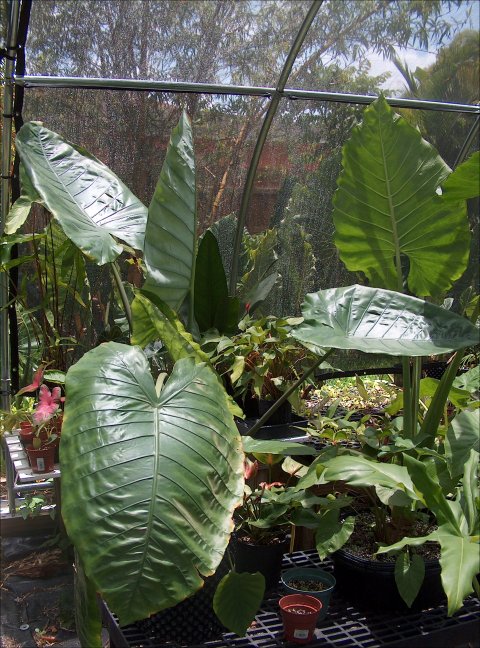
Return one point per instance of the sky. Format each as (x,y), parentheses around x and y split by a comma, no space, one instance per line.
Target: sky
(415,58)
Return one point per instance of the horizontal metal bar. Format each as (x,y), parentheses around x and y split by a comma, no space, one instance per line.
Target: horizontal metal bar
(219,89)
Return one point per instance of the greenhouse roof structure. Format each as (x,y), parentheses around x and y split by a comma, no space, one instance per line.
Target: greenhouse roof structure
(273,89)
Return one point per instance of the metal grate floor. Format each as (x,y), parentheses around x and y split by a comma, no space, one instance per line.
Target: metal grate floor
(345,625)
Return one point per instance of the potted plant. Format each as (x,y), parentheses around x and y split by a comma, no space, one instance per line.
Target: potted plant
(154,472)
(259,364)
(300,613)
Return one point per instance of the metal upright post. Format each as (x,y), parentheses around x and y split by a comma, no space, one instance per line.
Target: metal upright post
(13,16)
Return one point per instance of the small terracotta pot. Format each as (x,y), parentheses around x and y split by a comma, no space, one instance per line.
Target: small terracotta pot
(26,432)
(43,459)
(299,614)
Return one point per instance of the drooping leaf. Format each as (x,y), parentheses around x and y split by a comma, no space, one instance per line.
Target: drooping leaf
(169,251)
(332,533)
(237,600)
(409,575)
(149,483)
(462,436)
(460,563)
(90,202)
(20,209)
(282,448)
(469,494)
(463,183)
(88,620)
(360,471)
(386,207)
(381,321)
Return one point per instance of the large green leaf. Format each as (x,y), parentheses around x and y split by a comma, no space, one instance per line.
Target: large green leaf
(90,202)
(360,471)
(238,599)
(273,446)
(381,321)
(149,483)
(169,251)
(386,207)
(463,182)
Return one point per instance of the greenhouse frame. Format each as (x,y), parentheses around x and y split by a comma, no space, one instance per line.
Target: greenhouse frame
(239,309)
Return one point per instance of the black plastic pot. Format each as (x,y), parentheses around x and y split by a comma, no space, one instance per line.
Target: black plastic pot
(282,431)
(371,583)
(192,621)
(266,559)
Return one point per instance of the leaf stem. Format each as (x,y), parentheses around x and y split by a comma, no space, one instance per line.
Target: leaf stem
(122,293)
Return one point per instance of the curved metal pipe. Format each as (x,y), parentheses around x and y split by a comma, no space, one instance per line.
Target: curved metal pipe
(262,136)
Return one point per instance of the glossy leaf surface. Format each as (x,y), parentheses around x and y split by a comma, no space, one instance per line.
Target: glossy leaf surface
(169,251)
(90,202)
(462,437)
(386,207)
(381,321)
(149,483)
(210,282)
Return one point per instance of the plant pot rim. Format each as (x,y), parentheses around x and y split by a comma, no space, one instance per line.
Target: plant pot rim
(309,573)
(380,565)
(300,599)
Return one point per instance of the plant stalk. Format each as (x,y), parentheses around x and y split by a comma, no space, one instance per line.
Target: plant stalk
(122,293)
(278,403)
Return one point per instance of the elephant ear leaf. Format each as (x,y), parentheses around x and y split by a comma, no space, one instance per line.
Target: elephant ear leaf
(169,252)
(381,321)
(149,482)
(90,202)
(386,208)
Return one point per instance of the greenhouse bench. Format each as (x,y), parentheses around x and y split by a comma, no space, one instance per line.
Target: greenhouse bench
(345,626)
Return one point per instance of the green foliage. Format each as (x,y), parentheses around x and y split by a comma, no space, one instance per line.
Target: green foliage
(387,208)
(238,599)
(133,463)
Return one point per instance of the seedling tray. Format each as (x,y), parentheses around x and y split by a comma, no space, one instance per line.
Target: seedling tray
(346,626)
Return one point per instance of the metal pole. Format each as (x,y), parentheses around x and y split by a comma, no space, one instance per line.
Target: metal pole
(13,15)
(262,136)
(140,85)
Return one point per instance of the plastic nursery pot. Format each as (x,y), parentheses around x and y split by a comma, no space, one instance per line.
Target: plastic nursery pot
(42,460)
(299,614)
(293,579)
(266,559)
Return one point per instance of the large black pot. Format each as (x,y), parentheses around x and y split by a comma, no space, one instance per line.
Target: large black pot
(372,583)
(266,559)
(279,431)
(192,621)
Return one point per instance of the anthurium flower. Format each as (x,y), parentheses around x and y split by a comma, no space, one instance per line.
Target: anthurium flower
(48,404)
(36,382)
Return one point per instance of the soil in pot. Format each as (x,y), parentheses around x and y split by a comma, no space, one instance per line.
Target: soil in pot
(357,572)
(263,558)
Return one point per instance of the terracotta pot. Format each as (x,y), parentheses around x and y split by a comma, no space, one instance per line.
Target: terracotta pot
(299,614)
(43,459)
(26,432)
